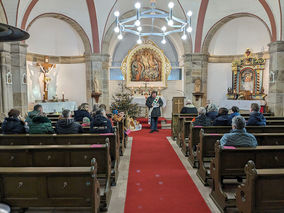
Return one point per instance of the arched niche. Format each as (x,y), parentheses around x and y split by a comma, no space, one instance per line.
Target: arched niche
(57,35)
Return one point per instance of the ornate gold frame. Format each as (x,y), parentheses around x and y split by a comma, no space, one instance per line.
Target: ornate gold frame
(126,66)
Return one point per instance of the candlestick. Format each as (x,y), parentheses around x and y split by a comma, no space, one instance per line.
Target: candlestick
(63,97)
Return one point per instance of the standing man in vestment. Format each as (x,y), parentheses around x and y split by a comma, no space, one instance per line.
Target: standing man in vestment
(154,103)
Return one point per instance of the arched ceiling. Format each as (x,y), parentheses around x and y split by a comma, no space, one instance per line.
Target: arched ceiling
(206,13)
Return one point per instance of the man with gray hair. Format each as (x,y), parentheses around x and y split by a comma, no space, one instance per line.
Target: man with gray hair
(201,119)
(67,125)
(238,137)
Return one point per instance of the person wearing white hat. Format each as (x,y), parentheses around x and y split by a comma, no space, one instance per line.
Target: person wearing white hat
(189,108)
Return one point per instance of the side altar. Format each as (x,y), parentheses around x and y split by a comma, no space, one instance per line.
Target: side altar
(247,78)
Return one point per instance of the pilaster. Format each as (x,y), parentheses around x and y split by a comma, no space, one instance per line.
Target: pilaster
(195,67)
(275,96)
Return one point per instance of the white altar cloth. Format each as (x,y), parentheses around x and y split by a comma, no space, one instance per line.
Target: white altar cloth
(242,104)
(50,107)
(141,101)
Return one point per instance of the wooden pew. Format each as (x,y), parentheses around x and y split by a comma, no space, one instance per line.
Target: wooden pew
(225,166)
(194,136)
(53,187)
(43,139)
(206,149)
(174,123)
(262,192)
(183,129)
(62,156)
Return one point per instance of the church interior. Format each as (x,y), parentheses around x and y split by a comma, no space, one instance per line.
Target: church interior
(142,106)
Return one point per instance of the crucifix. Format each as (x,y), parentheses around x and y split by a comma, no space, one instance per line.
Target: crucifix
(45,68)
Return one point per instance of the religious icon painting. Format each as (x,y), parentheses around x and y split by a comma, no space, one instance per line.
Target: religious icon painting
(9,78)
(146,63)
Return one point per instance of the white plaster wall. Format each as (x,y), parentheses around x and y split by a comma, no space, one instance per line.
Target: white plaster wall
(52,36)
(76,9)
(237,35)
(10,6)
(70,81)
(218,9)
(174,89)
(219,79)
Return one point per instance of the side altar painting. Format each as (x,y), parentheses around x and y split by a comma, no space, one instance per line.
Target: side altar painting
(247,78)
(146,63)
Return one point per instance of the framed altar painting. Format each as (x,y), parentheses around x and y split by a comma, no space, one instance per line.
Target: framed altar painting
(247,75)
(146,63)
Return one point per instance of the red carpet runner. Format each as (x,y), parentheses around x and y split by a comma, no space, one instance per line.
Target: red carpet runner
(158,182)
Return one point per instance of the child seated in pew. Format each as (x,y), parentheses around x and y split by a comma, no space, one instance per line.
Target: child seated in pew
(86,122)
(67,125)
(238,137)
(256,118)
(201,119)
(14,124)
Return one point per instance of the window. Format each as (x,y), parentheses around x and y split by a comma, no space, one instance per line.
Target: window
(176,74)
(116,74)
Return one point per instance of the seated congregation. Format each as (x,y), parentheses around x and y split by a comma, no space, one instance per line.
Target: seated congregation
(238,155)
(53,149)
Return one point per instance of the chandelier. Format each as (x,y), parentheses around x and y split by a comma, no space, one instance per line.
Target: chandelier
(133,24)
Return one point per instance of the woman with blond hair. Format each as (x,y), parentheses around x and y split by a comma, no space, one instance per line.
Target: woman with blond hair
(83,111)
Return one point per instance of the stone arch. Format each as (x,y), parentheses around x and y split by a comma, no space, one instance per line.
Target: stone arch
(86,42)
(76,26)
(3,15)
(218,25)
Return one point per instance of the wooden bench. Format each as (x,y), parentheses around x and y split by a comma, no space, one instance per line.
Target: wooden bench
(183,129)
(206,149)
(230,163)
(175,120)
(62,156)
(54,187)
(75,139)
(262,192)
(194,136)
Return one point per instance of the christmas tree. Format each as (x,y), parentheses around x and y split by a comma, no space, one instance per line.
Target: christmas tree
(123,103)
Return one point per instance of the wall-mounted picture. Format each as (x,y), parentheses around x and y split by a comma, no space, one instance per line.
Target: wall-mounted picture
(247,80)
(9,78)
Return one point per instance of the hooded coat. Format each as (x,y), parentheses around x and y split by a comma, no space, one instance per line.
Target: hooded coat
(101,124)
(189,109)
(256,119)
(68,126)
(13,126)
(31,115)
(41,125)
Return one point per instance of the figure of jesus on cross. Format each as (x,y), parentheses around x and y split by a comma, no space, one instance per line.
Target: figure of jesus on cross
(46,68)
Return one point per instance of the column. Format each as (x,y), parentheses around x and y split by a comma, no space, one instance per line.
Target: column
(195,67)
(275,96)
(98,66)
(19,71)
(6,90)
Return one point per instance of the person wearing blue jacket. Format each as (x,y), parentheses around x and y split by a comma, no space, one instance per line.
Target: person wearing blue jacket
(14,124)
(222,118)
(212,112)
(235,112)
(256,118)
(100,124)
(82,112)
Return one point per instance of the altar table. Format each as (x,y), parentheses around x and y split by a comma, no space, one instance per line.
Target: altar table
(242,104)
(51,107)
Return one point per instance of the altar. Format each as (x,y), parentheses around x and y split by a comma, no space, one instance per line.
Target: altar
(242,104)
(53,107)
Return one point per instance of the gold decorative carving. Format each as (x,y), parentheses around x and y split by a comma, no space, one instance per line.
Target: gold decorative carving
(146,63)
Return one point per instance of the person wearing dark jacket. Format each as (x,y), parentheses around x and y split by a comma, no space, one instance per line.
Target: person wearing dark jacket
(14,124)
(82,112)
(100,124)
(212,112)
(235,112)
(201,119)
(67,125)
(37,110)
(154,103)
(256,118)
(41,125)
(222,118)
(189,108)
